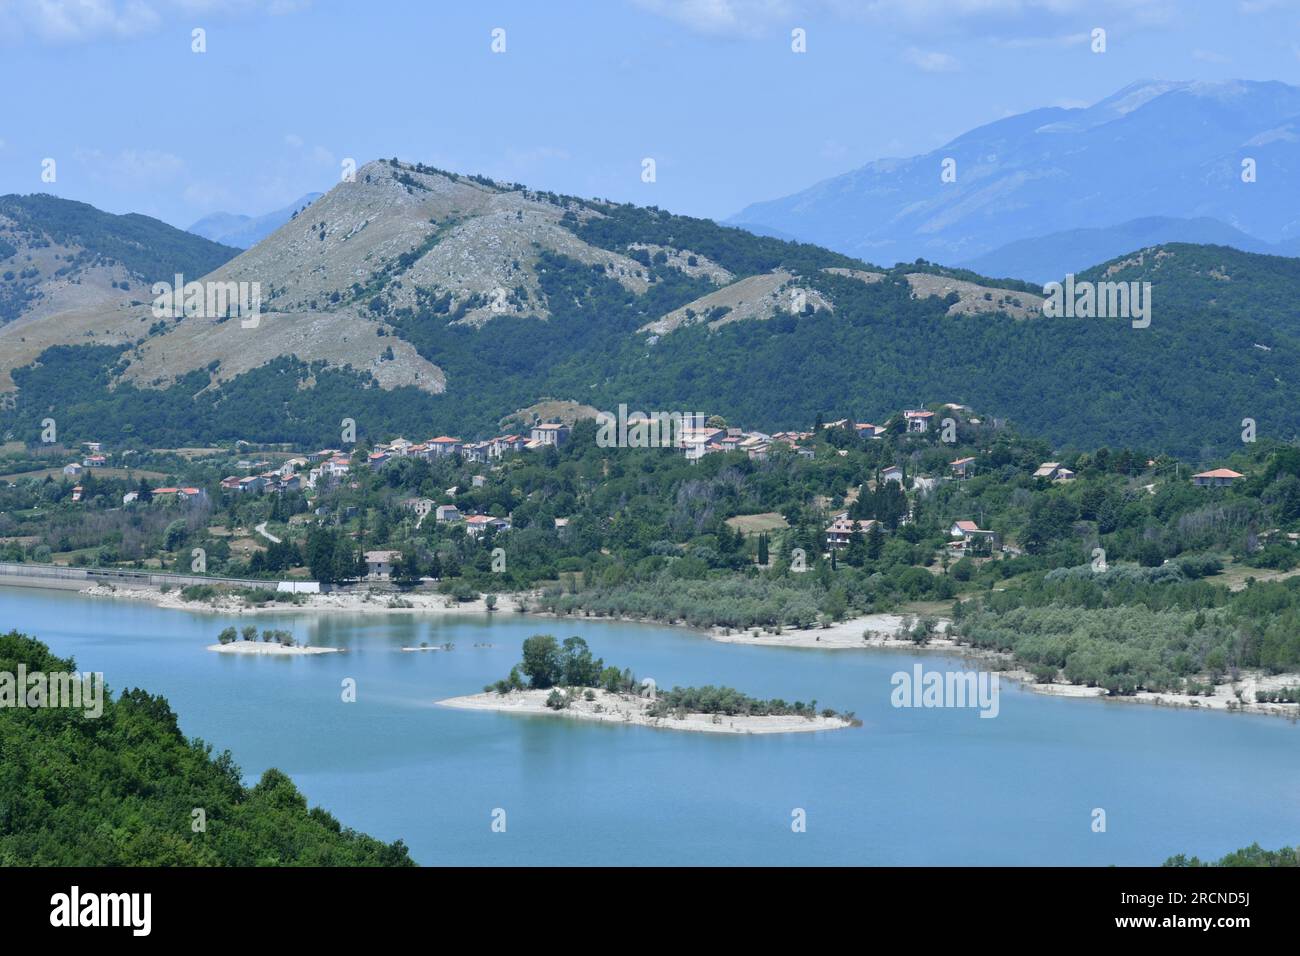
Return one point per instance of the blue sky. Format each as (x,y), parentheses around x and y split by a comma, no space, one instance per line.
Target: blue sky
(584,91)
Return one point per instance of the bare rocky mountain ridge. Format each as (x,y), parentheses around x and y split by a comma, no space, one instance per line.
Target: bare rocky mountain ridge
(399,237)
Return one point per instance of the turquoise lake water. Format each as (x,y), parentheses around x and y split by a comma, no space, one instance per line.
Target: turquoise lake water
(909,787)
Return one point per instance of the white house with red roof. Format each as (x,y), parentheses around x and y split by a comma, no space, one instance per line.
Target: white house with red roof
(1218,478)
(918,420)
(478,524)
(443,445)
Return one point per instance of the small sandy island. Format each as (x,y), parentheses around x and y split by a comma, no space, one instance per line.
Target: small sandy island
(278,650)
(627,709)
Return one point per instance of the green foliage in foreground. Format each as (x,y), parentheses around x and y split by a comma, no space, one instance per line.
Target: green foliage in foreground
(120,790)
(1253,855)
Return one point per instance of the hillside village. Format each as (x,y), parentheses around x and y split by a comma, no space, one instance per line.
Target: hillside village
(313,478)
(728,529)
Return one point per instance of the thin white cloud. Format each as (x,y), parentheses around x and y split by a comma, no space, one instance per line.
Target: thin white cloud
(1029,43)
(1040,20)
(1264,6)
(725,17)
(931,61)
(79,21)
(129,168)
(1209,56)
(1006,12)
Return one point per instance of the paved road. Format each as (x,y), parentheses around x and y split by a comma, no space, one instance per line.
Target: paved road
(261,529)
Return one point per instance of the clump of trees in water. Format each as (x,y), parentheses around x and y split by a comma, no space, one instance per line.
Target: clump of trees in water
(549,664)
(276,636)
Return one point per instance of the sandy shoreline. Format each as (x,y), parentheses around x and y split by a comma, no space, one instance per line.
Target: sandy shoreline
(271,648)
(345,603)
(883,629)
(630,710)
(1223,700)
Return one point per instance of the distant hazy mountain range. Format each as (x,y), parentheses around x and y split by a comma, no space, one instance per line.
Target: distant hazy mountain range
(1056,190)
(1049,257)
(244,232)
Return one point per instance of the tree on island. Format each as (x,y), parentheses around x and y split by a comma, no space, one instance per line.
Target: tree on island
(542,663)
(546,663)
(555,667)
(578,667)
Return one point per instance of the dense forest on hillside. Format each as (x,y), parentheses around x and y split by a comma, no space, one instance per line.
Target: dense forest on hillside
(73,383)
(120,790)
(148,248)
(1222,346)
